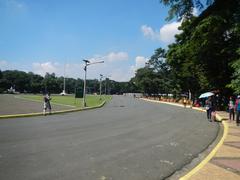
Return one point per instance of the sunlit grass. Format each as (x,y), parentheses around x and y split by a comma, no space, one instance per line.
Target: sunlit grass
(91,100)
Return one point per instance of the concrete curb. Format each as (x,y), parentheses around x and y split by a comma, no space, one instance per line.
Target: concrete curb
(209,156)
(214,150)
(218,117)
(54,112)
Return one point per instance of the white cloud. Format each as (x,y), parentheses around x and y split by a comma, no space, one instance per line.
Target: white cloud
(120,74)
(139,63)
(166,33)
(7,65)
(116,56)
(149,32)
(73,70)
(3,63)
(110,57)
(43,68)
(11,65)
(122,71)
(117,65)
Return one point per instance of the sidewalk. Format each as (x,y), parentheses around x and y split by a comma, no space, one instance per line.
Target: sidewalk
(226,162)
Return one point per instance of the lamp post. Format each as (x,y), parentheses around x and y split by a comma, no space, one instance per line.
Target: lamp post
(87,63)
(101,76)
(106,79)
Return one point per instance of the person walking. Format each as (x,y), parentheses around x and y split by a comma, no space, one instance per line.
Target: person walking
(47,104)
(237,108)
(208,106)
(184,102)
(231,109)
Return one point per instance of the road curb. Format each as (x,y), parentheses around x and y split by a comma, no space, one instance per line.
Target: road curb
(209,156)
(218,117)
(54,112)
(213,151)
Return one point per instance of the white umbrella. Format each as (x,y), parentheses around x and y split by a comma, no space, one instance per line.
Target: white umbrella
(205,95)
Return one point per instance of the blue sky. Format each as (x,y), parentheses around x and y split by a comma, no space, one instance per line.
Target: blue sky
(43,35)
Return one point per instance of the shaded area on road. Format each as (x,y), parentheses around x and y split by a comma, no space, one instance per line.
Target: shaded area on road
(126,139)
(9,104)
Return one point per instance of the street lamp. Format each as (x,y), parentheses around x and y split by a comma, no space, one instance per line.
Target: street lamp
(106,77)
(87,63)
(101,76)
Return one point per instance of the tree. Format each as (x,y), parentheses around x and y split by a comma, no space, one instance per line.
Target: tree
(203,52)
(35,82)
(235,83)
(49,84)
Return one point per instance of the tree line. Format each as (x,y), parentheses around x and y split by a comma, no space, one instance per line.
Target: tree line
(33,83)
(205,55)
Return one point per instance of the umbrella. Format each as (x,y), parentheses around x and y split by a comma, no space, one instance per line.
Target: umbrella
(205,95)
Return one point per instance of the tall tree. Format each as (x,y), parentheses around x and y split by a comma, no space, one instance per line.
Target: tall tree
(235,83)
(207,46)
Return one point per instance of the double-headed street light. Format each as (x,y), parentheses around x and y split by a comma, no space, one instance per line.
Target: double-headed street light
(87,63)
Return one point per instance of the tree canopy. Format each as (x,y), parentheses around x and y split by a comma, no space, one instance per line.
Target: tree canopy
(205,55)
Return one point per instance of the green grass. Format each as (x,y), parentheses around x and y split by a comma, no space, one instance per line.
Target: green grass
(91,100)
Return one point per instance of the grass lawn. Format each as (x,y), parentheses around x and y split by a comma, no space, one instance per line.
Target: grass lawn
(91,100)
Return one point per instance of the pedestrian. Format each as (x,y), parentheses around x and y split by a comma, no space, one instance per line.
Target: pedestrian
(47,104)
(208,106)
(237,108)
(231,109)
(184,102)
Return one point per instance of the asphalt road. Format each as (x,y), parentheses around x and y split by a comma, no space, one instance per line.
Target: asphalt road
(127,139)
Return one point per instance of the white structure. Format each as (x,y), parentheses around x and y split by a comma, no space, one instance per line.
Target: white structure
(64,84)
(11,90)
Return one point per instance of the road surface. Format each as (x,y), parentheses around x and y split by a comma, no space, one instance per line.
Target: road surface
(15,104)
(127,139)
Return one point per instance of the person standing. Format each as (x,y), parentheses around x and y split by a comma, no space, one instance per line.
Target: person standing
(208,106)
(237,108)
(47,104)
(184,102)
(231,109)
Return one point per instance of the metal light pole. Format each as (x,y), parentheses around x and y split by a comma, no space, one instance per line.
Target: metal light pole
(85,77)
(64,81)
(101,76)
(87,63)
(105,86)
(106,79)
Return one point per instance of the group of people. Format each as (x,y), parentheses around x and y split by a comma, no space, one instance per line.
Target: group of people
(233,108)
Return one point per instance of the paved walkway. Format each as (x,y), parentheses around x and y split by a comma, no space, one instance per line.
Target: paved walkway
(226,162)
